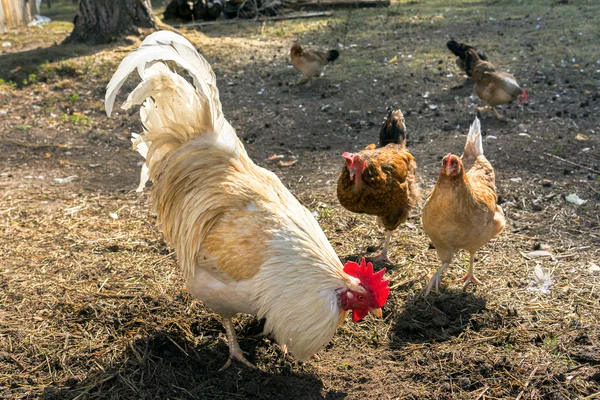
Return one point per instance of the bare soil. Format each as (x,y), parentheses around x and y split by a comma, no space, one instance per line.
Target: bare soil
(92,303)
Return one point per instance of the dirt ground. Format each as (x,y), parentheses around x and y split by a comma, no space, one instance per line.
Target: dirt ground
(92,303)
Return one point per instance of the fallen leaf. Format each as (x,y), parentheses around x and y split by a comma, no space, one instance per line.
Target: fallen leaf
(67,179)
(581,137)
(287,163)
(393,60)
(274,157)
(574,199)
(47,155)
(537,254)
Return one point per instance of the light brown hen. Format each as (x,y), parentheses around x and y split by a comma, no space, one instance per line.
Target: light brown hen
(461,210)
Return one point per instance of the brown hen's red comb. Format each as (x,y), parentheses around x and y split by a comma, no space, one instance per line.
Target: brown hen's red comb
(448,160)
(371,281)
(524,96)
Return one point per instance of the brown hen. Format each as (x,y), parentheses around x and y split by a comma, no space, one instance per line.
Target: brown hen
(309,62)
(492,85)
(381,181)
(461,210)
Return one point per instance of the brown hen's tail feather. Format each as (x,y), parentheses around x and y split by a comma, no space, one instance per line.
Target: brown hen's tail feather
(474,145)
(393,129)
(332,55)
(461,50)
(471,59)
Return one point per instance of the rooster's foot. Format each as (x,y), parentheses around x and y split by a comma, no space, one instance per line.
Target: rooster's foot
(235,353)
(239,356)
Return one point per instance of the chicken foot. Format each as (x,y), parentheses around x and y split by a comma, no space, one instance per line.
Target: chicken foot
(470,276)
(497,114)
(383,256)
(494,110)
(436,279)
(235,352)
(303,81)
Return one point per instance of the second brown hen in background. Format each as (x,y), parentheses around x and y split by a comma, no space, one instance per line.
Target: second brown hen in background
(493,86)
(381,181)
(461,210)
(311,63)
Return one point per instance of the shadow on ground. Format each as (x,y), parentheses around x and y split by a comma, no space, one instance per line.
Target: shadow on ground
(439,316)
(168,365)
(18,66)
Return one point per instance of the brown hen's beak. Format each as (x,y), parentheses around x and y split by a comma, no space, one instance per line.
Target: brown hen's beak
(377,312)
(352,173)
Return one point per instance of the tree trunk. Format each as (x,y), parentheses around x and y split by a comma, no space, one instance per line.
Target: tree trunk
(104,21)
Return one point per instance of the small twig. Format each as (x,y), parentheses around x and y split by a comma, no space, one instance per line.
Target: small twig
(404,282)
(115,296)
(13,359)
(574,163)
(592,396)
(482,392)
(527,382)
(101,286)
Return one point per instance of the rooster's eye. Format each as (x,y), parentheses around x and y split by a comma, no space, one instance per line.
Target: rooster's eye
(361,298)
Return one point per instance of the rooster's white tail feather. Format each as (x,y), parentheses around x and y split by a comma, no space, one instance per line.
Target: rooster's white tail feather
(173,111)
(141,147)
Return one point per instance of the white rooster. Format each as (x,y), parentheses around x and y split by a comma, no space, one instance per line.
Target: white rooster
(245,244)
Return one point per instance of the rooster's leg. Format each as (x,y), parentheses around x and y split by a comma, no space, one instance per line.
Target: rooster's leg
(383,256)
(235,353)
(470,276)
(436,279)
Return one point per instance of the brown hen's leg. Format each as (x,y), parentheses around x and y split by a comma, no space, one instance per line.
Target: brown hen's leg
(497,114)
(470,276)
(235,353)
(383,256)
(301,80)
(436,279)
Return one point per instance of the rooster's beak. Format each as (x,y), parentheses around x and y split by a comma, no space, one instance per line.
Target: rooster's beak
(377,312)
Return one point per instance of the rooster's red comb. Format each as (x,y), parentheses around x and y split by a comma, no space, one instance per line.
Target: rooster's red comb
(373,282)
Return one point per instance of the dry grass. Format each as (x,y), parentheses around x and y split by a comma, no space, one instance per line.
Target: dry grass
(92,304)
